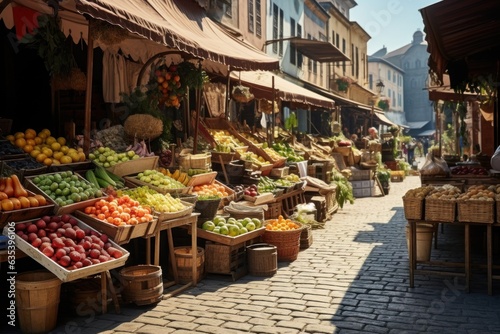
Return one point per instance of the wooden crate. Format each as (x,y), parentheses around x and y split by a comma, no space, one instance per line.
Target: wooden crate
(134,166)
(62,273)
(226,260)
(26,213)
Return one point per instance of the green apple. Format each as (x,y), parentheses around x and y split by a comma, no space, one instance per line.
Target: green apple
(257,222)
(243,230)
(208,225)
(250,226)
(219,219)
(233,230)
(224,230)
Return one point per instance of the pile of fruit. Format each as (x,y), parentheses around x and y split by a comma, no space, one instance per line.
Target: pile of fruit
(447,193)
(231,226)
(23,164)
(66,188)
(120,211)
(469,170)
(7,148)
(226,142)
(13,196)
(179,176)
(63,241)
(159,180)
(477,193)
(150,197)
(107,157)
(251,191)
(212,190)
(45,148)
(275,156)
(419,192)
(254,158)
(288,152)
(281,224)
(169,84)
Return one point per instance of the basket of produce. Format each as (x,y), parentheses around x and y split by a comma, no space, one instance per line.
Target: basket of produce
(143,126)
(413,202)
(285,235)
(441,204)
(476,205)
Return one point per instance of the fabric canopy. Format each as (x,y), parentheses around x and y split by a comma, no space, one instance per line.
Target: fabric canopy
(383,119)
(318,50)
(260,83)
(181,25)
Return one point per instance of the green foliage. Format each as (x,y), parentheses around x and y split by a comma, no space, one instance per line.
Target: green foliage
(343,193)
(291,122)
(384,174)
(51,46)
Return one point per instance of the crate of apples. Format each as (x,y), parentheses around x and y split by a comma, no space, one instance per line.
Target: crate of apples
(67,247)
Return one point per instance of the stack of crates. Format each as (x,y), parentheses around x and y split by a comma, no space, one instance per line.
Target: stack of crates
(362,183)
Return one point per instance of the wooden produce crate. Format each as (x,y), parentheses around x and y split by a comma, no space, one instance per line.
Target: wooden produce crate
(226,260)
(62,273)
(65,209)
(81,166)
(8,168)
(198,161)
(476,211)
(26,213)
(9,151)
(134,180)
(119,234)
(228,240)
(134,166)
(164,216)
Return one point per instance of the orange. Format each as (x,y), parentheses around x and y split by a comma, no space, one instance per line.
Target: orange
(47,161)
(56,162)
(31,142)
(7,205)
(25,202)
(42,135)
(19,135)
(20,142)
(47,151)
(38,140)
(58,155)
(41,157)
(16,202)
(35,153)
(49,140)
(33,201)
(28,148)
(82,156)
(46,131)
(75,156)
(41,200)
(29,134)
(10,138)
(64,149)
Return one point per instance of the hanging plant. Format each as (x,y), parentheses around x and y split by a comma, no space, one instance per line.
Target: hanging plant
(384,104)
(343,83)
(50,43)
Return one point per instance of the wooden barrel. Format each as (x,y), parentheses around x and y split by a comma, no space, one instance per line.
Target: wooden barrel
(184,263)
(37,301)
(262,259)
(142,284)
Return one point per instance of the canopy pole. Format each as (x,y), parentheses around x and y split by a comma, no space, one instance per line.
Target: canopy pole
(198,115)
(228,95)
(88,92)
(273,118)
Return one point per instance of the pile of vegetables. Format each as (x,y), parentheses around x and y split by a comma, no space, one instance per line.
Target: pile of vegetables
(344,188)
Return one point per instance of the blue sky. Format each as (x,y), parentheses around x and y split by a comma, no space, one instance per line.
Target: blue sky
(389,22)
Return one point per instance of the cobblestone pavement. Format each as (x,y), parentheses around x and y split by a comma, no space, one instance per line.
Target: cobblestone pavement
(353,279)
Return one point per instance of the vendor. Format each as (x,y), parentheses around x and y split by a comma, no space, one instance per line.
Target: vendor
(373,135)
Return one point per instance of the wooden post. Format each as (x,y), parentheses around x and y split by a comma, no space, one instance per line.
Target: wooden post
(88,92)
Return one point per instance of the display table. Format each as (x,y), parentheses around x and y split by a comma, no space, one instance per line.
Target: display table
(466,265)
(189,220)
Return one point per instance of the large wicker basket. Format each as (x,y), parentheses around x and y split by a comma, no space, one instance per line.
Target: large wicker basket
(440,210)
(476,211)
(413,207)
(286,242)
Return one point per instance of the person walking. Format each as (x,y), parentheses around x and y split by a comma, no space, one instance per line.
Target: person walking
(411,150)
(425,145)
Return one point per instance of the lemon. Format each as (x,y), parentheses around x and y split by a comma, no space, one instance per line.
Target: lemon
(41,157)
(47,151)
(38,140)
(66,159)
(50,140)
(47,161)
(58,155)
(34,153)
(55,146)
(61,140)
(64,149)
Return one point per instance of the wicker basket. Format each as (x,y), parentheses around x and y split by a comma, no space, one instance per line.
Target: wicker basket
(476,211)
(273,210)
(344,150)
(440,210)
(414,207)
(200,161)
(286,242)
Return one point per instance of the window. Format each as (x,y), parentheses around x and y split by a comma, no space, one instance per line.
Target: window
(353,59)
(357,62)
(417,63)
(407,64)
(389,93)
(389,75)
(275,28)
(229,8)
(315,64)
(293,52)
(337,44)
(343,51)
(281,32)
(300,59)
(258,19)
(399,100)
(333,37)
(394,77)
(250,16)
(309,60)
(370,81)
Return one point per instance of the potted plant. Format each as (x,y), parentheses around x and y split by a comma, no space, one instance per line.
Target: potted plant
(384,103)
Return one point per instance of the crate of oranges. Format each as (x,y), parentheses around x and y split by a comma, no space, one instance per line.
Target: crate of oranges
(283,233)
